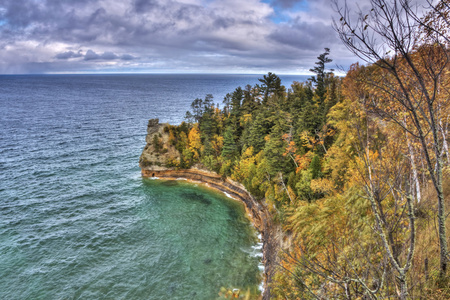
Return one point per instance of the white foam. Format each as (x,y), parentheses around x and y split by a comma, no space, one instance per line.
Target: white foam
(136,175)
(261,268)
(228,195)
(261,287)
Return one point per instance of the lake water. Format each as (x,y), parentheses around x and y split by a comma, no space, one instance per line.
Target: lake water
(77,221)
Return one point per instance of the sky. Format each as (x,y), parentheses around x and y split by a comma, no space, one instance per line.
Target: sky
(167,36)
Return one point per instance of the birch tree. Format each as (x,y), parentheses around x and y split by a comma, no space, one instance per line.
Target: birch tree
(389,37)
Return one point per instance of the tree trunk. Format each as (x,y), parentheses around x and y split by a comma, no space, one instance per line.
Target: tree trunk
(441,222)
(444,132)
(413,167)
(403,287)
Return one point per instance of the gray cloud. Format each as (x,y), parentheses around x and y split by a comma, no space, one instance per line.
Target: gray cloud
(108,56)
(169,35)
(127,57)
(305,36)
(141,6)
(91,55)
(286,3)
(68,54)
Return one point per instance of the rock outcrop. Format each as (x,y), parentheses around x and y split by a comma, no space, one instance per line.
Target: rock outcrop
(158,149)
(153,164)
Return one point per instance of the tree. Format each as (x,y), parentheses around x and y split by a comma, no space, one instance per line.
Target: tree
(321,75)
(229,150)
(195,143)
(387,37)
(275,148)
(250,101)
(315,167)
(271,84)
(386,182)
(197,110)
(436,22)
(257,131)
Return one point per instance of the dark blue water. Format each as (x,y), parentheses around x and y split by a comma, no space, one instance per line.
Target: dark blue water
(76,218)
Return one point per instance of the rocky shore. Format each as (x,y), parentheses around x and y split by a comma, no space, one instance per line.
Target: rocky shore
(153,166)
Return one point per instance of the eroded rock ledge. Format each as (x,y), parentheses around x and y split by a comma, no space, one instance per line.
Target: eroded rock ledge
(152,166)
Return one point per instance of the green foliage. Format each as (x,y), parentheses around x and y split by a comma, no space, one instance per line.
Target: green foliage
(315,168)
(157,143)
(230,149)
(211,162)
(321,75)
(225,169)
(271,86)
(256,132)
(303,186)
(274,150)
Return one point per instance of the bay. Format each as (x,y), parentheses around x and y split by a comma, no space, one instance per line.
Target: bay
(77,221)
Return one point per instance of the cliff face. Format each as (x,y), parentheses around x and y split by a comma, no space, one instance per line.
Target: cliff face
(153,164)
(158,149)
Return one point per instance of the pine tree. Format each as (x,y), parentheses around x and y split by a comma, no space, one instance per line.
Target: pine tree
(320,78)
(229,149)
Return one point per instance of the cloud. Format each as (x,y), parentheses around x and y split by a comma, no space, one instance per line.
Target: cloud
(127,57)
(287,3)
(91,55)
(108,55)
(169,35)
(68,55)
(305,36)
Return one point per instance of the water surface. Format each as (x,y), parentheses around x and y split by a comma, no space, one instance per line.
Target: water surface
(77,221)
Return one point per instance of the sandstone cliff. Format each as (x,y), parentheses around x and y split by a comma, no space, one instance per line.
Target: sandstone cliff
(158,149)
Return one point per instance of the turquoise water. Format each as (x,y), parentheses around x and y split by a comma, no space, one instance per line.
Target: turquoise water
(77,221)
(163,240)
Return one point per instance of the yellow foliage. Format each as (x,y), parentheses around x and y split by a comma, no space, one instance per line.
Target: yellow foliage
(195,143)
(245,119)
(217,144)
(322,185)
(243,169)
(304,161)
(248,152)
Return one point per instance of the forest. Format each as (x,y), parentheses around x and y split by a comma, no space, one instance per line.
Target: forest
(355,169)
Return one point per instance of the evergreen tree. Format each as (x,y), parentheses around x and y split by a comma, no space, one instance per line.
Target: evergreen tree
(236,100)
(258,130)
(321,75)
(275,148)
(230,149)
(315,167)
(197,110)
(271,85)
(249,103)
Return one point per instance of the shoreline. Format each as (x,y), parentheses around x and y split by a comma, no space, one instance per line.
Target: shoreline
(258,214)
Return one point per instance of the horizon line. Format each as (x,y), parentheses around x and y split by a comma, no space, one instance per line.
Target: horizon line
(158,73)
